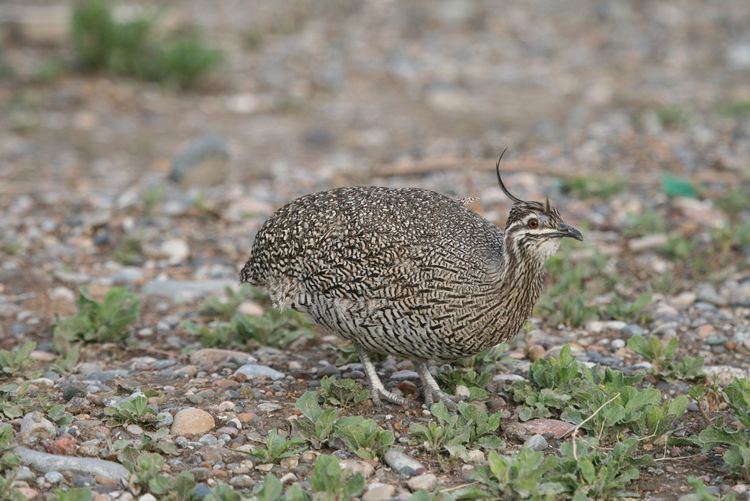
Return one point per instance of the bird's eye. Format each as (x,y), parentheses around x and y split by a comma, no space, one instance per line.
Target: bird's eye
(533,224)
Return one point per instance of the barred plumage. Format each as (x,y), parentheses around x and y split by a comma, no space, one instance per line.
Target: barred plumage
(409,272)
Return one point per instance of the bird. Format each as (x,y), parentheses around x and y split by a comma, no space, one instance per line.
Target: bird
(407,272)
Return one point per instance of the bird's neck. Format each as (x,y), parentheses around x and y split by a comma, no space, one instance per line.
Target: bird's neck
(518,288)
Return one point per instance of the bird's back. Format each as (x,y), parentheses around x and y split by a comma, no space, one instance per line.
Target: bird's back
(403,271)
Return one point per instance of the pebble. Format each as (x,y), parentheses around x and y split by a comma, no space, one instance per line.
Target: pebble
(242,481)
(134,429)
(426,481)
(192,421)
(357,466)
(537,442)
(175,250)
(43,462)
(403,464)
(187,290)
(34,427)
(53,477)
(216,357)
(250,371)
(147,497)
(535,352)
(404,376)
(379,492)
(708,294)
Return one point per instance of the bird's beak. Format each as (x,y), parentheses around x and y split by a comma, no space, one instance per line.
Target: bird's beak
(568,231)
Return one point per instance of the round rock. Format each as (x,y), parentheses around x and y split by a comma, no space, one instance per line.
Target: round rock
(192,421)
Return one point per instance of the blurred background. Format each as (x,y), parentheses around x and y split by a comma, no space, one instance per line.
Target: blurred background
(161,134)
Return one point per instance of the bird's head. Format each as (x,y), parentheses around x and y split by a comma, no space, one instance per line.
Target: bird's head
(534,228)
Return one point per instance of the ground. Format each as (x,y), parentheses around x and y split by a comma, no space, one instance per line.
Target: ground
(632,117)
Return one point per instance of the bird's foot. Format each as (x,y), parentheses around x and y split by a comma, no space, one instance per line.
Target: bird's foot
(380,394)
(431,389)
(377,390)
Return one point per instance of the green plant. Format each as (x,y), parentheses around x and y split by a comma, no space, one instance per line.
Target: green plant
(223,492)
(672,116)
(469,427)
(592,187)
(225,308)
(733,202)
(629,311)
(331,483)
(662,356)
(9,462)
(644,223)
(523,475)
(277,447)
(157,441)
(14,400)
(135,48)
(343,392)
(146,468)
(77,494)
(15,363)
(316,425)
(133,410)
(735,439)
(703,493)
(274,328)
(674,186)
(129,251)
(95,322)
(735,109)
(363,436)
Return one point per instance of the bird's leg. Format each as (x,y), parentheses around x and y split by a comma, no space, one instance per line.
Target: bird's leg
(431,388)
(377,389)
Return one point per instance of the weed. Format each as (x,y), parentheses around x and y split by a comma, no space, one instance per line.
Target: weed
(662,356)
(74,494)
(343,392)
(734,201)
(17,362)
(629,311)
(270,489)
(135,49)
(317,425)
(225,308)
(129,251)
(330,482)
(735,439)
(644,223)
(134,410)
(157,441)
(274,328)
(592,187)
(735,109)
(674,186)
(146,468)
(605,403)
(363,436)
(277,447)
(522,475)
(95,322)
(49,70)
(223,492)
(13,400)
(60,416)
(470,427)
(9,462)
(672,117)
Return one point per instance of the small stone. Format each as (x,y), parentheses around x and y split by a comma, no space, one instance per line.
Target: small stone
(537,442)
(535,352)
(27,492)
(708,294)
(147,497)
(404,375)
(740,489)
(192,421)
(552,427)
(403,464)
(134,429)
(215,357)
(53,477)
(41,461)
(251,308)
(617,344)
(264,467)
(288,478)
(242,481)
(209,440)
(226,406)
(426,481)
(203,161)
(289,463)
(379,492)
(631,330)
(474,456)
(164,419)
(250,371)
(175,250)
(34,427)
(73,390)
(42,356)
(269,407)
(357,466)
(462,392)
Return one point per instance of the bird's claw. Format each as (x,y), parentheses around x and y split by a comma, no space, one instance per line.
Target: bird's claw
(377,393)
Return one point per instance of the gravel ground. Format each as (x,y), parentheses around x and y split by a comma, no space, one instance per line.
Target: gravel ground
(110,182)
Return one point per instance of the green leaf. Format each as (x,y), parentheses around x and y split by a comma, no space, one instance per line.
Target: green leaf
(678,187)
